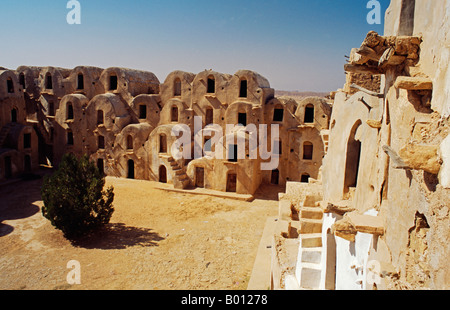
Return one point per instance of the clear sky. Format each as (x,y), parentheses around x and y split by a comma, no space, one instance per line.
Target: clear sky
(295,44)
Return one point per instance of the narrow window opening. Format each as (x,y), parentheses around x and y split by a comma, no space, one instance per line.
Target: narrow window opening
(174,114)
(69,138)
(27,141)
(142,111)
(101,166)
(243,89)
(14,116)
(309,114)
(209,117)
(129,142)
(113,82)
(308,151)
(242,119)
(48,81)
(275,177)
(10,85)
(177,87)
(162,144)
(51,108)
(278,114)
(69,111)
(233,153)
(80,82)
(100,117)
(101,142)
(211,89)
(22,80)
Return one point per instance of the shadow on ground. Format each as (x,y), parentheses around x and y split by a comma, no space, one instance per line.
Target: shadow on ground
(118,236)
(269,192)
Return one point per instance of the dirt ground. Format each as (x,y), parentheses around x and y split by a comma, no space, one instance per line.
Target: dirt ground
(156,240)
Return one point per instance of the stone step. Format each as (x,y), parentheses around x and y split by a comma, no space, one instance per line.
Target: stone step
(311,255)
(310,276)
(310,240)
(311,213)
(310,226)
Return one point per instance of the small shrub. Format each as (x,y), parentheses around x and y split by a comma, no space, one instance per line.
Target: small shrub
(74,199)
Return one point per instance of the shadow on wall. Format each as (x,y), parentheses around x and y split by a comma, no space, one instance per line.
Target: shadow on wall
(115,236)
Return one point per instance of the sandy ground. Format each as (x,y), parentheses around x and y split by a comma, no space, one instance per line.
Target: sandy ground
(156,240)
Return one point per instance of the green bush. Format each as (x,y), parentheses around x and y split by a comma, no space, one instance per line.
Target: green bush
(74,199)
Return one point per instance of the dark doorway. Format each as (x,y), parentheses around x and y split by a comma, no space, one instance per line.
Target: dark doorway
(10,85)
(101,165)
(162,174)
(100,117)
(305,178)
(27,141)
(177,87)
(353,159)
(14,115)
(130,169)
(199,177)
(101,142)
(174,114)
(278,114)
(231,182)
(22,80)
(80,84)
(275,177)
(51,108)
(308,150)
(130,142)
(142,111)
(69,138)
(242,119)
(243,89)
(309,114)
(209,117)
(8,167)
(211,89)
(69,111)
(48,81)
(27,163)
(113,82)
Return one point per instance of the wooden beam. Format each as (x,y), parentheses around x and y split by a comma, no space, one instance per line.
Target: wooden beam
(372,93)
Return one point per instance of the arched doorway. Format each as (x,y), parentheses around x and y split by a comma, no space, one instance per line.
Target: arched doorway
(162,174)
(353,159)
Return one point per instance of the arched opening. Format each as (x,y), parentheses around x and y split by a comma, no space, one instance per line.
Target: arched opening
(211,87)
(69,111)
(275,177)
(308,150)
(48,81)
(80,81)
(162,143)
(129,142)
(278,113)
(353,158)
(243,88)
(174,114)
(101,142)
(130,169)
(309,114)
(100,117)
(10,85)
(177,87)
(14,115)
(162,174)
(27,163)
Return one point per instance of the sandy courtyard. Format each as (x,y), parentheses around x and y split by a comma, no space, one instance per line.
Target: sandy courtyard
(156,240)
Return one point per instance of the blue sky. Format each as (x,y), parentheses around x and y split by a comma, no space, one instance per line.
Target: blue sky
(295,44)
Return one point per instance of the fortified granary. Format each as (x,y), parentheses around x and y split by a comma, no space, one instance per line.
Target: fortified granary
(124,120)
